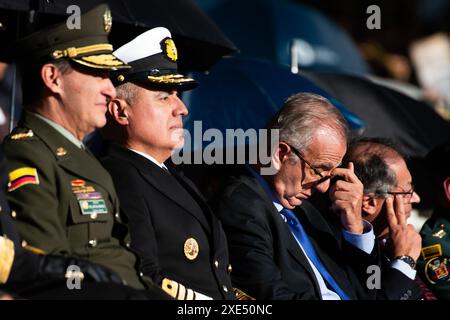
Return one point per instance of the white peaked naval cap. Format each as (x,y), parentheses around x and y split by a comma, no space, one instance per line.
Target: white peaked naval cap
(153,57)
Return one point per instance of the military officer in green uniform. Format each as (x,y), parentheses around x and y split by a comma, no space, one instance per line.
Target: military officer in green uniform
(435,258)
(63,201)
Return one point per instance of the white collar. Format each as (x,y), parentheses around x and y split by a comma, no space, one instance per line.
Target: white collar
(161,165)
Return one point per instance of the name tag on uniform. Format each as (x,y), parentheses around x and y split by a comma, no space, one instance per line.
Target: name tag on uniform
(92,203)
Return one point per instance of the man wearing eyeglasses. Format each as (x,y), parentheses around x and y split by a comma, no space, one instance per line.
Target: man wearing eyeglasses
(387,204)
(281,247)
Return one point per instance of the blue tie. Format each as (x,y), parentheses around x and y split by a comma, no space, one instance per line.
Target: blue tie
(302,237)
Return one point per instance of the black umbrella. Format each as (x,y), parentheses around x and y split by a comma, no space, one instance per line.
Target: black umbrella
(391,114)
(386,112)
(200,42)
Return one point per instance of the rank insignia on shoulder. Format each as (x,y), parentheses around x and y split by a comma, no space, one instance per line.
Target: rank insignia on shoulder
(437,270)
(22,135)
(432,251)
(21,177)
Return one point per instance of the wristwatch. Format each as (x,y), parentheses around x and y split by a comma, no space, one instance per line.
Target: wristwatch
(410,261)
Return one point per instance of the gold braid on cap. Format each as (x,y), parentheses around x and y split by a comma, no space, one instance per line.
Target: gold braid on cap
(169,78)
(72,52)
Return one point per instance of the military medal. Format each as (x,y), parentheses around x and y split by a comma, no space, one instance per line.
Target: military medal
(191,248)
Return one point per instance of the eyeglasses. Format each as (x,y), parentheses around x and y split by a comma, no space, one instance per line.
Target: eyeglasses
(406,194)
(315,170)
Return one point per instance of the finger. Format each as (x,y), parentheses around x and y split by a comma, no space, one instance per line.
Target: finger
(351,167)
(390,213)
(342,185)
(347,174)
(400,210)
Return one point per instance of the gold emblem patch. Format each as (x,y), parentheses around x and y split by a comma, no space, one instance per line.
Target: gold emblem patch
(169,49)
(191,248)
(107,21)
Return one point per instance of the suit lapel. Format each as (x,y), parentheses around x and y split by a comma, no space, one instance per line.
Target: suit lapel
(288,238)
(163,181)
(213,221)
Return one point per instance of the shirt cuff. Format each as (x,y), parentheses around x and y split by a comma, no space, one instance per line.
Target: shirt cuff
(404,268)
(364,241)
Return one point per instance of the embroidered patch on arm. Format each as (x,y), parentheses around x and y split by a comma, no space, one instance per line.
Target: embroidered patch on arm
(21,177)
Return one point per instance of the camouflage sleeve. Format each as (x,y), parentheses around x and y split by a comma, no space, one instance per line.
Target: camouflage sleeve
(33,195)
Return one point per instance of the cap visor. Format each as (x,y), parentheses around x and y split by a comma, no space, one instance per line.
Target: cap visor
(102,61)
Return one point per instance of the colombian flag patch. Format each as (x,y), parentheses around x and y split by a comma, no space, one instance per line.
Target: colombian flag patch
(21,177)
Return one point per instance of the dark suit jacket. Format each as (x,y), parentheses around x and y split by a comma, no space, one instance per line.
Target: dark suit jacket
(397,286)
(268,262)
(163,211)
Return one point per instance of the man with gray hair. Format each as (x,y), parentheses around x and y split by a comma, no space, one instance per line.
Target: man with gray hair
(181,243)
(281,247)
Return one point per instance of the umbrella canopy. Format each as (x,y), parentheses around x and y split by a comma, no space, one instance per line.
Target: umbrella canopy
(386,112)
(239,93)
(246,93)
(200,42)
(281,30)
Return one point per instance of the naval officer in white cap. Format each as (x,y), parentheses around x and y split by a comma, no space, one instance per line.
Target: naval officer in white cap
(181,243)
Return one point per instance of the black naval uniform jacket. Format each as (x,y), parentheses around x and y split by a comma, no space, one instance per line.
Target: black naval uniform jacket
(48,212)
(267,260)
(164,210)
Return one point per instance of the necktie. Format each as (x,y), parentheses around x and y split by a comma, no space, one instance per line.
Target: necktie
(301,236)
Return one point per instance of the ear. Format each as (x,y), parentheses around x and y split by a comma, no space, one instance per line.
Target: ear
(371,205)
(119,109)
(280,155)
(51,76)
(446,184)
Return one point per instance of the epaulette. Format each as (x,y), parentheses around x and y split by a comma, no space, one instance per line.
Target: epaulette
(21,135)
